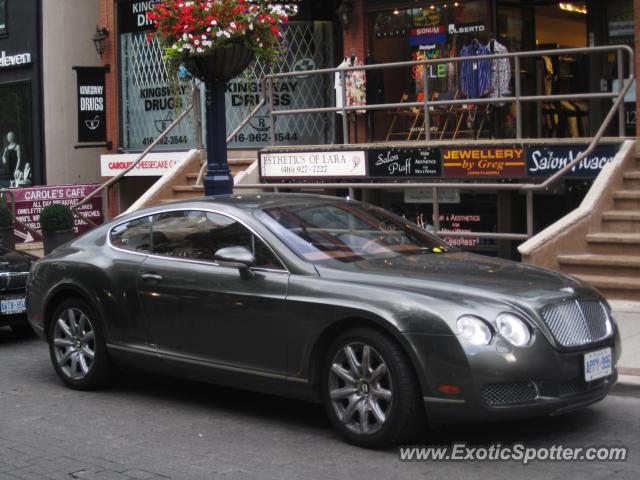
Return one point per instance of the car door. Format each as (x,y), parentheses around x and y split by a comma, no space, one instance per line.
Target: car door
(198,311)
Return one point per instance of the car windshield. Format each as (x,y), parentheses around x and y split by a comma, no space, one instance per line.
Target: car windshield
(347,232)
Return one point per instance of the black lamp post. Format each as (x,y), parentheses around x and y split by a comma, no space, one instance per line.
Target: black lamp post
(215,70)
(99,39)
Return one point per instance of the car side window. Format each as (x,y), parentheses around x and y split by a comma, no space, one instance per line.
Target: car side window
(198,235)
(134,235)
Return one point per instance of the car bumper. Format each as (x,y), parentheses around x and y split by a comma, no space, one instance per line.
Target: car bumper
(493,385)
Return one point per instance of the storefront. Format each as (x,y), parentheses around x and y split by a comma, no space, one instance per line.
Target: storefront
(147,105)
(401,31)
(20,94)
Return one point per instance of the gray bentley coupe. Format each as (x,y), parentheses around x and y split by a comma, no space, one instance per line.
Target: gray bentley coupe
(328,300)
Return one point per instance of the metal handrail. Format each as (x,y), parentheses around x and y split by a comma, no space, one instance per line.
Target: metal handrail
(528,188)
(195,100)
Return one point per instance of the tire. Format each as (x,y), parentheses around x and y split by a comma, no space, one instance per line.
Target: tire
(77,346)
(388,398)
(23,330)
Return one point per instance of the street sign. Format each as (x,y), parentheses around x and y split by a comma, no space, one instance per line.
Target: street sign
(29,203)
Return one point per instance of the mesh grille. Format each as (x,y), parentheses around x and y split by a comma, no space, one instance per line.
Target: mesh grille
(13,281)
(577,322)
(509,393)
(577,387)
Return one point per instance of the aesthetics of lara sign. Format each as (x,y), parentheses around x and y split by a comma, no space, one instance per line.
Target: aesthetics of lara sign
(335,165)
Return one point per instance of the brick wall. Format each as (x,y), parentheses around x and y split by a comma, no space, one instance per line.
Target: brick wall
(110,57)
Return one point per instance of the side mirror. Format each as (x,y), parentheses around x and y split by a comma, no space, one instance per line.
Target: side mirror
(237,257)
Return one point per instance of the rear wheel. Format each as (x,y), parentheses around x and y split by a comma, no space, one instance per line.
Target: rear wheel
(77,346)
(370,392)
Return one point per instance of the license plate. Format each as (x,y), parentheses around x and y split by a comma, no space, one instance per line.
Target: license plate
(12,306)
(597,364)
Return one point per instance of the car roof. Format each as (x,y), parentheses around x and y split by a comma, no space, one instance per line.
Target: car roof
(247,202)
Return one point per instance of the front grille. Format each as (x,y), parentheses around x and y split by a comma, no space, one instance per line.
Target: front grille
(577,322)
(497,394)
(578,387)
(13,280)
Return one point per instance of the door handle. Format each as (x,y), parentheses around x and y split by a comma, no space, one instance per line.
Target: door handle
(151,277)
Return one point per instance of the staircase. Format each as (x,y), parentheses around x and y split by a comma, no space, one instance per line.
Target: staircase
(599,243)
(239,161)
(180,182)
(612,262)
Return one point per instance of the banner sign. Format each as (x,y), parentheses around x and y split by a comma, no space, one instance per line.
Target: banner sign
(405,162)
(543,161)
(492,162)
(132,16)
(31,201)
(336,164)
(92,113)
(153,165)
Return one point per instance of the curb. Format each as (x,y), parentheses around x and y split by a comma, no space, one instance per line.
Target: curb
(627,385)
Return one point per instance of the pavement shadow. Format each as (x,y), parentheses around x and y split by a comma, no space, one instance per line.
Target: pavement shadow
(9,337)
(305,415)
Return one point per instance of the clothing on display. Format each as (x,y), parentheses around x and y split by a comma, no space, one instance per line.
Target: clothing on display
(355,85)
(475,76)
(500,69)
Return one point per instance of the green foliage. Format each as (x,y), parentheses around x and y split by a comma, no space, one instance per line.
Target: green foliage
(56,217)
(6,220)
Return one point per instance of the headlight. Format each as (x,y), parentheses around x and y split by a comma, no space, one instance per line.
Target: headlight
(513,329)
(474,330)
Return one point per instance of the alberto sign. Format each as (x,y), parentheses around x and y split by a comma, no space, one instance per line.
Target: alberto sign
(484,162)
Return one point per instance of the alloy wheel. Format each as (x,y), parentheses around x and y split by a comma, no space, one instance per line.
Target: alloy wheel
(360,388)
(74,343)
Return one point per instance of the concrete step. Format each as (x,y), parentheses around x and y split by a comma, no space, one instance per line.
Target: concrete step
(610,243)
(632,180)
(627,200)
(611,265)
(182,192)
(614,288)
(621,221)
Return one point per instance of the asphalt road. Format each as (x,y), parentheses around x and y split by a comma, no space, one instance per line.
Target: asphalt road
(154,428)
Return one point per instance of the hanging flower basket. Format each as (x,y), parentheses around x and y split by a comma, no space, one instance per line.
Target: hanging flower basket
(220,64)
(217,39)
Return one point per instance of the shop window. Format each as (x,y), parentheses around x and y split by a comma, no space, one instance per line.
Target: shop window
(3,16)
(148,105)
(16,167)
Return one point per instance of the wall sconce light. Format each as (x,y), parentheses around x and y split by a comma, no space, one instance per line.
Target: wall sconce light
(99,39)
(345,12)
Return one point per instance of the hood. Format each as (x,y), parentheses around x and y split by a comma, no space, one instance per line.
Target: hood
(14,261)
(456,275)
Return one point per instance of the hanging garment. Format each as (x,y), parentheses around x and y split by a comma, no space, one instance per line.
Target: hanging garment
(475,76)
(337,84)
(501,71)
(357,86)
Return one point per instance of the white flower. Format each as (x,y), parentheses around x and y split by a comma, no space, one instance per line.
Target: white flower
(204,37)
(200,50)
(232,25)
(197,42)
(261,45)
(213,22)
(208,30)
(251,26)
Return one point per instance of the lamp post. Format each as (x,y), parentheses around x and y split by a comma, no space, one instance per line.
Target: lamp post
(218,180)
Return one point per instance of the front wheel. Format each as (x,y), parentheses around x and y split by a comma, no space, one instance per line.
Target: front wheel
(370,392)
(77,346)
